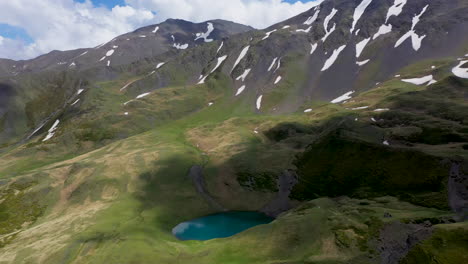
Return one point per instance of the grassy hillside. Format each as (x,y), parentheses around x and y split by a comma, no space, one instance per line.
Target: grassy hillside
(109,187)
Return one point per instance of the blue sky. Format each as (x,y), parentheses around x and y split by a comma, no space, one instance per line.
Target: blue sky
(107,3)
(13,32)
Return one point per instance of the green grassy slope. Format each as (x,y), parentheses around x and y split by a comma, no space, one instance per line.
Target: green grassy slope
(108,188)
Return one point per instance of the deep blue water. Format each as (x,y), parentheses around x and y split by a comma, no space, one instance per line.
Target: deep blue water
(219,225)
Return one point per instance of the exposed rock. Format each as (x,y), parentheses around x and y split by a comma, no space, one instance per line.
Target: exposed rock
(196,175)
(396,240)
(457,191)
(281,202)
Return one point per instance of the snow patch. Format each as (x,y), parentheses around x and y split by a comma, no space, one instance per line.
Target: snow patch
(74,103)
(180,46)
(360,108)
(243,75)
(220,47)
(84,53)
(108,63)
(361,63)
(205,35)
(220,60)
(285,27)
(142,95)
(395,9)
(278,66)
(333,58)
(272,64)
(308,110)
(142,36)
(429,79)
(342,98)
(403,38)
(72,64)
(126,113)
(79,91)
(360,46)
(128,84)
(358,13)
(160,65)
(313,47)
(268,34)
(218,63)
(325,24)
(155,30)
(304,30)
(459,71)
(52,130)
(278,79)
(313,18)
(373,119)
(202,80)
(210,103)
(386,143)
(110,52)
(381,110)
(240,90)
(416,40)
(259,102)
(241,56)
(37,129)
(383,29)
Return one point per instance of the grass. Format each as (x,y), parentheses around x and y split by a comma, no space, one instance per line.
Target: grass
(367,169)
(447,245)
(22,203)
(118,184)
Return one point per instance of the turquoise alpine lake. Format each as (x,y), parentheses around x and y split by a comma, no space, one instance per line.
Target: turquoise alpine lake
(219,225)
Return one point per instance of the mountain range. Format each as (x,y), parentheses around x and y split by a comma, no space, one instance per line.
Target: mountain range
(347,123)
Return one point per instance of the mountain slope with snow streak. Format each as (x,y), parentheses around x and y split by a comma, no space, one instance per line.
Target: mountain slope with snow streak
(337,54)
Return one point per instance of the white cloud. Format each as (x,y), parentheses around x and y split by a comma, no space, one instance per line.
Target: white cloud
(256,13)
(65,24)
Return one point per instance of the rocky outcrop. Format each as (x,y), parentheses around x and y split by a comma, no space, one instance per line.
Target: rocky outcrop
(457,192)
(196,175)
(396,240)
(281,202)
